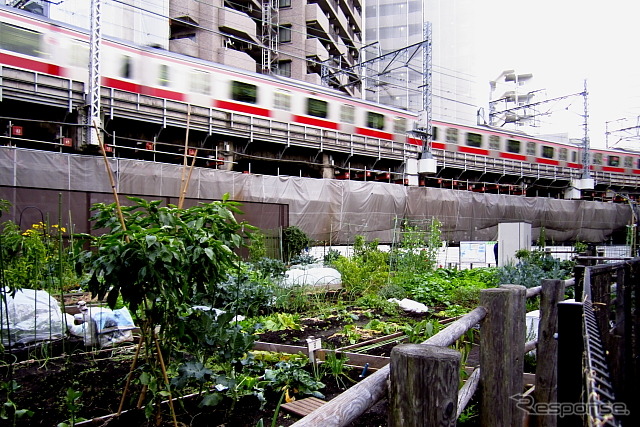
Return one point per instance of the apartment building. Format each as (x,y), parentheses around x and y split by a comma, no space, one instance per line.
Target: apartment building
(315,41)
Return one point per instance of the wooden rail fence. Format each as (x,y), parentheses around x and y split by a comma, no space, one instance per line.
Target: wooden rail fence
(423,378)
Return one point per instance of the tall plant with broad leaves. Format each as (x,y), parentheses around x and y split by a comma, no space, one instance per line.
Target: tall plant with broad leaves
(158,263)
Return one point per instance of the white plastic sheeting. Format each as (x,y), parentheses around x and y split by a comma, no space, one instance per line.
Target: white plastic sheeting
(328,210)
(30,316)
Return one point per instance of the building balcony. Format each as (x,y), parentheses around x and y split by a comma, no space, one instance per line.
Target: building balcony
(317,22)
(237,59)
(315,48)
(238,24)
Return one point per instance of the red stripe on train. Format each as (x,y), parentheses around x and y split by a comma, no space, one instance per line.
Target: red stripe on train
(163,93)
(30,64)
(612,169)
(242,108)
(574,165)
(121,85)
(374,133)
(547,161)
(473,150)
(438,145)
(315,122)
(512,156)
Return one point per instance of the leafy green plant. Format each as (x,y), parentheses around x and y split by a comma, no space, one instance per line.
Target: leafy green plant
(294,240)
(367,270)
(35,258)
(421,331)
(532,267)
(291,377)
(331,257)
(159,259)
(335,365)
(9,410)
(73,406)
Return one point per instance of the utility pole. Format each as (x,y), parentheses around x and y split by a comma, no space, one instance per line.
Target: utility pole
(586,155)
(93,114)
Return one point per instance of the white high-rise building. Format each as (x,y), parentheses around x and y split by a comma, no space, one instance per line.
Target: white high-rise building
(392,25)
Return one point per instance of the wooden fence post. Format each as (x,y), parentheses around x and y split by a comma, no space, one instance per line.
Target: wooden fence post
(502,339)
(546,390)
(423,389)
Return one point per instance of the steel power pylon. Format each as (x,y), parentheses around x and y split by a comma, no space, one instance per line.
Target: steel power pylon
(93,113)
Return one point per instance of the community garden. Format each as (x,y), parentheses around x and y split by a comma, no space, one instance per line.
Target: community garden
(203,291)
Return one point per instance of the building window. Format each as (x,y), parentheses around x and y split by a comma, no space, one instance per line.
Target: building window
(284,3)
(163,75)
(513,146)
(317,108)
(531,148)
(348,114)
(494,142)
(284,33)
(474,139)
(375,120)
(244,92)
(284,68)
(452,135)
(282,100)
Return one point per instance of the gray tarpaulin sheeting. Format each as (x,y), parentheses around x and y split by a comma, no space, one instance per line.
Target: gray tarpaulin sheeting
(329,210)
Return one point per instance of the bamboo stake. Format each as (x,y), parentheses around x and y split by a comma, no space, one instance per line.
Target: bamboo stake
(111,179)
(166,378)
(183,185)
(186,184)
(128,383)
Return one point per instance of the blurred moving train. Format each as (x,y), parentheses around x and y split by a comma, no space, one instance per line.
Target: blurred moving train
(36,44)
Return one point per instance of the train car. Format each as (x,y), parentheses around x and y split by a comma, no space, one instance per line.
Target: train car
(495,143)
(36,44)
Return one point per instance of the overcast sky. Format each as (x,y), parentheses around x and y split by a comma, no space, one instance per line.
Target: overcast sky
(563,42)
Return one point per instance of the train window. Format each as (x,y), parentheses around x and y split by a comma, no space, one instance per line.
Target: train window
(562,154)
(20,40)
(244,92)
(474,139)
(638,163)
(547,152)
(574,157)
(513,146)
(375,120)
(200,82)
(434,133)
(399,125)
(452,135)
(347,113)
(597,158)
(531,148)
(163,75)
(282,100)
(614,161)
(79,54)
(125,67)
(494,142)
(318,108)
(628,162)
